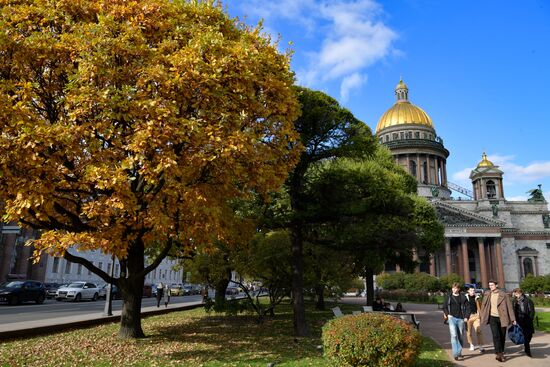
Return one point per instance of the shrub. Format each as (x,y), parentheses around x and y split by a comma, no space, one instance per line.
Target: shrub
(446,281)
(535,284)
(421,282)
(391,281)
(371,339)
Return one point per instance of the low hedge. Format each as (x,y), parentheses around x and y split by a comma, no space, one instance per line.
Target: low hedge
(371,339)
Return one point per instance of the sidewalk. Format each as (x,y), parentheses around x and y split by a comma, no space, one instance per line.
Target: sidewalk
(431,325)
(38,327)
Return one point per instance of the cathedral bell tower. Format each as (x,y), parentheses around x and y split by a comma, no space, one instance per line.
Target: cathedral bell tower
(487,181)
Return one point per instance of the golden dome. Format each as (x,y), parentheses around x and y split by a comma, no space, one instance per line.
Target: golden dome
(403,112)
(485,162)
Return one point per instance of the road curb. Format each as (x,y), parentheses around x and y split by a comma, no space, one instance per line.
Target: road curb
(55,328)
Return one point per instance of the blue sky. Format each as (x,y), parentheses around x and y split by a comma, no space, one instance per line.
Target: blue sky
(480,69)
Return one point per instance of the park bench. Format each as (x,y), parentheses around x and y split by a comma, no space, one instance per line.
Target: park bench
(408,317)
(337,312)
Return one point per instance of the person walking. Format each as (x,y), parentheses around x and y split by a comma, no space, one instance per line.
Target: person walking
(166,296)
(497,311)
(474,322)
(524,310)
(456,311)
(160,293)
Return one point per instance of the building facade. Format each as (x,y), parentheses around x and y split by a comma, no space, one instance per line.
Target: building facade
(16,262)
(487,236)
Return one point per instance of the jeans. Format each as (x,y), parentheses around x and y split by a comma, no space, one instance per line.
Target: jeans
(456,328)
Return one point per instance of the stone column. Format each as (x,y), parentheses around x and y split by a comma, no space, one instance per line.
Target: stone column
(500,265)
(482,262)
(448,255)
(432,264)
(418,168)
(428,170)
(437,181)
(466,264)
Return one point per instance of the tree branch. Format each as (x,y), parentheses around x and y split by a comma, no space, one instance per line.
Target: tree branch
(90,266)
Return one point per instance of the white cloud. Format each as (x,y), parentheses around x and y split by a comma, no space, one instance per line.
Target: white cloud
(353,81)
(351,34)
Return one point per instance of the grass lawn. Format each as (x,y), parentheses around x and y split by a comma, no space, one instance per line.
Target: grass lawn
(544,321)
(192,339)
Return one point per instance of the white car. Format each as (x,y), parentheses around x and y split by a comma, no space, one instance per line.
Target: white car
(78,291)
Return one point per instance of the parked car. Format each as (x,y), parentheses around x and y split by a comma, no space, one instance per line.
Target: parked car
(232,291)
(352,292)
(78,291)
(51,289)
(17,291)
(176,290)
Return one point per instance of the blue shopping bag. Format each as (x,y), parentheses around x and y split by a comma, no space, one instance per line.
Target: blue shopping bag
(516,334)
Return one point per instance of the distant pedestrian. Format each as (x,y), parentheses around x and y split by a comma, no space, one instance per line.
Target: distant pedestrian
(497,311)
(474,322)
(399,307)
(166,296)
(160,293)
(524,310)
(204,294)
(456,311)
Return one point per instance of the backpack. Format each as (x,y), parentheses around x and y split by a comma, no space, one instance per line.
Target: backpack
(516,334)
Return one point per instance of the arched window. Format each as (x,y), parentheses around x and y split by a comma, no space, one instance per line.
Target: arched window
(528,266)
(412,167)
(491,190)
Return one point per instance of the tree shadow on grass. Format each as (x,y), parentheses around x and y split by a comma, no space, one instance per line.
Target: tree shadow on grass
(238,339)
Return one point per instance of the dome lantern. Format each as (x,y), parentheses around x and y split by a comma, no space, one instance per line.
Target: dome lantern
(402,92)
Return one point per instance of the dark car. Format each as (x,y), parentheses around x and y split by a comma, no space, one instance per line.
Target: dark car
(147,290)
(51,289)
(18,291)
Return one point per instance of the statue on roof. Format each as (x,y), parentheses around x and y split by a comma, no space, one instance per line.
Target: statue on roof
(536,195)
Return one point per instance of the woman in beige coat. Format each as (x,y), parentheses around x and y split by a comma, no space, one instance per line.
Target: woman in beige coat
(497,311)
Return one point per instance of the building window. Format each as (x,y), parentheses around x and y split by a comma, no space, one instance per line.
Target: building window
(68,267)
(100,265)
(109,268)
(395,136)
(528,267)
(387,137)
(79,269)
(55,266)
(491,189)
(417,135)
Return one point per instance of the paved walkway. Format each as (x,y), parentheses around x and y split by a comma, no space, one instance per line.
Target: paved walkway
(431,325)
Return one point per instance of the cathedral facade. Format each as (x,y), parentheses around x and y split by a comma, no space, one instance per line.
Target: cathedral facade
(486,236)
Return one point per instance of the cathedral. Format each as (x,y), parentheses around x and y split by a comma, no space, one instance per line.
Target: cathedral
(486,236)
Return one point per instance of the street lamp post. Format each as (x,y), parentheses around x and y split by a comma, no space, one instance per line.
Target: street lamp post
(108,311)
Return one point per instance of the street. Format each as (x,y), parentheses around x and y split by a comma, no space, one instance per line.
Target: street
(51,308)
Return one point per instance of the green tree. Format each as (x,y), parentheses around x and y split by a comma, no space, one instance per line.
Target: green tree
(327,131)
(446,281)
(128,125)
(368,208)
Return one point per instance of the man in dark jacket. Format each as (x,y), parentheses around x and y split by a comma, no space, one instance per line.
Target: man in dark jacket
(524,310)
(457,311)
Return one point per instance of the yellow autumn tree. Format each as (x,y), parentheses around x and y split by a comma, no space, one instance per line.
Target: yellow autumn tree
(126,126)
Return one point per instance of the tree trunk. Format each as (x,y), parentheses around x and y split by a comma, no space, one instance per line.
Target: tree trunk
(221,287)
(131,287)
(320,291)
(300,326)
(130,319)
(369,280)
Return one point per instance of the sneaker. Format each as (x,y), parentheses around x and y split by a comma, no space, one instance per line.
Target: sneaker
(481,349)
(472,347)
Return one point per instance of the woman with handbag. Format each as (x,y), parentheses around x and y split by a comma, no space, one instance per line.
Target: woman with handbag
(524,309)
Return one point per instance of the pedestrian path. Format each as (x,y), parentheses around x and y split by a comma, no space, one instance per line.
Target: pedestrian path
(431,325)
